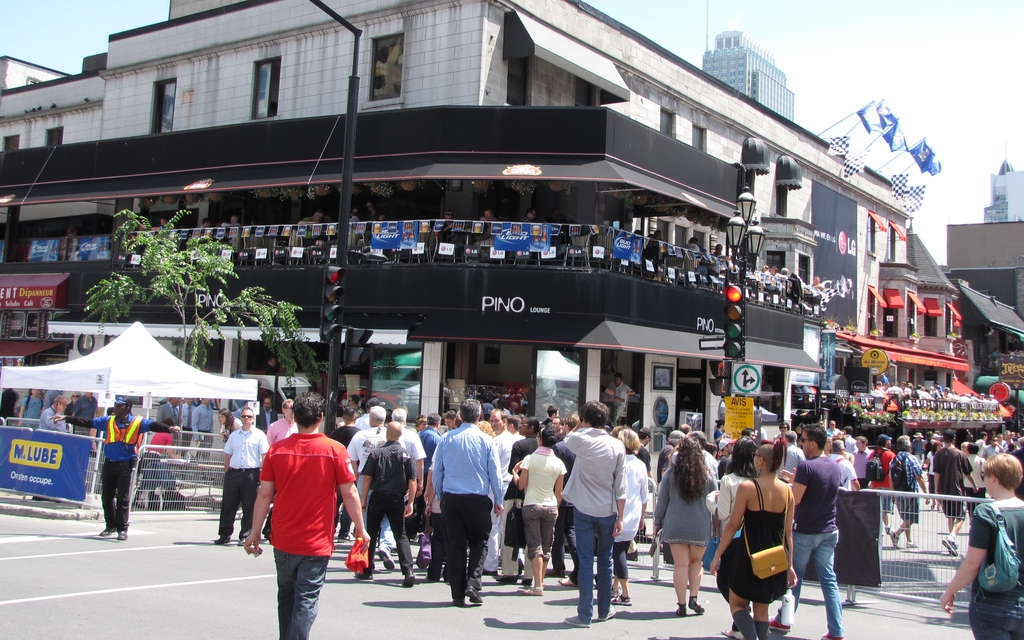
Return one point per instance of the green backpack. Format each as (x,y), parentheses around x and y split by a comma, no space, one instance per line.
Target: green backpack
(1001,575)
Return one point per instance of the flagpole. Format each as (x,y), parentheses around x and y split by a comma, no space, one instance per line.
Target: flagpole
(845,118)
(891,160)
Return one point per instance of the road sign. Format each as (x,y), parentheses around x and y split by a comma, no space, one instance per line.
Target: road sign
(746,378)
(1000,391)
(739,415)
(876,360)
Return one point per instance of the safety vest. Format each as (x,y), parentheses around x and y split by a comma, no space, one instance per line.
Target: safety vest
(129,435)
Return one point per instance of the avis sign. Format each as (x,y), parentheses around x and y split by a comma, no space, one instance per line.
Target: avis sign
(739,415)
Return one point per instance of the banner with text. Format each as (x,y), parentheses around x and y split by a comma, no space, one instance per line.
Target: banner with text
(44,463)
(834,217)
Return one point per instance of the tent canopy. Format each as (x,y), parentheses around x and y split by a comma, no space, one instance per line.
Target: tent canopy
(132,364)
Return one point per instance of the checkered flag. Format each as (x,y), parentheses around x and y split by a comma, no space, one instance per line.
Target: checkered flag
(899,185)
(839,146)
(914,198)
(854,163)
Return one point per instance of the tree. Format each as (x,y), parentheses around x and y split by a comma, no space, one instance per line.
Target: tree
(179,277)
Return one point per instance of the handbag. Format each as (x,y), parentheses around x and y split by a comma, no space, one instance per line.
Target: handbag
(709,553)
(771,561)
(424,556)
(358,556)
(1002,574)
(515,527)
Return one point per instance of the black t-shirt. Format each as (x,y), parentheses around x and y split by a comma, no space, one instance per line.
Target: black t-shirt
(983,536)
(645,457)
(952,465)
(520,450)
(344,434)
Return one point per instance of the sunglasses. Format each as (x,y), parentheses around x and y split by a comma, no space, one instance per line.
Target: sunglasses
(247,417)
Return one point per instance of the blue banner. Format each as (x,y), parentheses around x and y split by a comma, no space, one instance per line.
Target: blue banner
(94,248)
(385,235)
(45,463)
(540,237)
(513,237)
(828,360)
(623,247)
(44,250)
(409,235)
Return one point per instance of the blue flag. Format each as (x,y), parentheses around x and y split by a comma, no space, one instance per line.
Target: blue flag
(869,118)
(894,136)
(925,158)
(885,116)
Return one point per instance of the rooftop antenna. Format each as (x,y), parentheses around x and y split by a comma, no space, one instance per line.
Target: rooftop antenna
(707,25)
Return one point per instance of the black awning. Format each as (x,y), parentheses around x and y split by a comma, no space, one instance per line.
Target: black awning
(780,356)
(628,337)
(582,143)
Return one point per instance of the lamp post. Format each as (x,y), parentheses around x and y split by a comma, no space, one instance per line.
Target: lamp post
(745,238)
(344,206)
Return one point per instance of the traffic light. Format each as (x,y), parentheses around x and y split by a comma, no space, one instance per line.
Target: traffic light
(356,352)
(721,372)
(735,343)
(333,303)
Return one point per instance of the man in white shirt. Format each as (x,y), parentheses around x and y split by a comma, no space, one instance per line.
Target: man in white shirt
(368,439)
(794,455)
(620,393)
(503,441)
(847,474)
(243,459)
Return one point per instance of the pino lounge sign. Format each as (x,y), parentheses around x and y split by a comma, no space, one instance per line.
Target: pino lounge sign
(44,463)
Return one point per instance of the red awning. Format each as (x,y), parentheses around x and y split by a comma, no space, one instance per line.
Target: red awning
(962,389)
(908,355)
(22,348)
(893,298)
(899,231)
(873,291)
(917,302)
(956,314)
(26,293)
(881,222)
(933,308)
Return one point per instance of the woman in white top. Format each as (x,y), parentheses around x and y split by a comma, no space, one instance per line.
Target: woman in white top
(636,506)
(540,474)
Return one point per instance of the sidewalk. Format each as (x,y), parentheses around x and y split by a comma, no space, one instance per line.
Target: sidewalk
(16,504)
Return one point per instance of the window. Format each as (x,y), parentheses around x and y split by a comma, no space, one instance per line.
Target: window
(54,136)
(668,123)
(872,229)
(931,326)
(775,259)
(264,93)
(681,236)
(699,138)
(892,317)
(12,143)
(804,268)
(584,93)
(387,67)
(911,316)
(163,106)
(890,254)
(517,75)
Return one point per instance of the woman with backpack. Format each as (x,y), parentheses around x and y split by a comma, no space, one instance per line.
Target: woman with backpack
(997,606)
(906,475)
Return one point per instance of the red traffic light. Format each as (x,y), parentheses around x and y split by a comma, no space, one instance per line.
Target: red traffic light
(733,293)
(334,274)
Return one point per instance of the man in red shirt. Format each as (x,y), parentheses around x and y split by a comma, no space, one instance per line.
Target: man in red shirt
(300,476)
(886,456)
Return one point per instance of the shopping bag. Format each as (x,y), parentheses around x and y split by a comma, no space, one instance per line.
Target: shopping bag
(358,556)
(423,557)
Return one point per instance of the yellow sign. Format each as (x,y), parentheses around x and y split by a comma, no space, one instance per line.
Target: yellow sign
(739,415)
(876,360)
(35,454)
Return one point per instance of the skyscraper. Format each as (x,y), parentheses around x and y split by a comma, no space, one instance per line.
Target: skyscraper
(746,66)
(1007,196)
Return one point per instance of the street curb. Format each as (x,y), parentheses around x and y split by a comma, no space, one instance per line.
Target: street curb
(48,514)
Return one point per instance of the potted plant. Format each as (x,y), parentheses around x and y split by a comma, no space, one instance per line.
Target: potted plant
(170,199)
(953,335)
(523,187)
(915,336)
(875,333)
(850,327)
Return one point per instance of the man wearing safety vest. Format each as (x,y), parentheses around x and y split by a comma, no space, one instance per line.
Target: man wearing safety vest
(121,433)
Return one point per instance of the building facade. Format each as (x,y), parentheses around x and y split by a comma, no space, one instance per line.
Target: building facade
(235,110)
(749,68)
(1007,195)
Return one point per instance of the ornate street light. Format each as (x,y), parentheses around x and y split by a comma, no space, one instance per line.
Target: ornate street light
(734,231)
(755,240)
(747,205)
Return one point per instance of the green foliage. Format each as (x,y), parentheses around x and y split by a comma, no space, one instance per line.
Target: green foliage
(176,278)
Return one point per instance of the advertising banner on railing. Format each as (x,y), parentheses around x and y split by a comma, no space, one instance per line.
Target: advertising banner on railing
(385,235)
(45,463)
(94,248)
(515,236)
(628,246)
(44,250)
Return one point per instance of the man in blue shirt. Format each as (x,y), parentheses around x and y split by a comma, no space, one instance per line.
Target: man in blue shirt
(466,477)
(121,433)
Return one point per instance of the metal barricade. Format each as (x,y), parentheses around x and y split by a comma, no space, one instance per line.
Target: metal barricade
(648,547)
(173,478)
(23,423)
(920,569)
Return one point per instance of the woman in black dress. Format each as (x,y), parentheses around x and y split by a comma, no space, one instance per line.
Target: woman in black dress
(764,508)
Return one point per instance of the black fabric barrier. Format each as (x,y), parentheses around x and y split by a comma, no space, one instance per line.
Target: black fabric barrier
(858,561)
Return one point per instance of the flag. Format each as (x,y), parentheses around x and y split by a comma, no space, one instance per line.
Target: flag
(854,163)
(885,117)
(899,185)
(894,136)
(925,158)
(914,198)
(839,146)
(869,118)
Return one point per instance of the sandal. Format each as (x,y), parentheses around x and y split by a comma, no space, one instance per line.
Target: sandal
(681,610)
(532,591)
(621,600)
(695,606)
(567,582)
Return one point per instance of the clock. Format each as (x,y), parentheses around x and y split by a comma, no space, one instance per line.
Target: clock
(85,344)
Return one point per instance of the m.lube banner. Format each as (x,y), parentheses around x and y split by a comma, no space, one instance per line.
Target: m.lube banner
(44,463)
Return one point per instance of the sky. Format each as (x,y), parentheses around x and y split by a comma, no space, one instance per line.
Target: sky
(947,69)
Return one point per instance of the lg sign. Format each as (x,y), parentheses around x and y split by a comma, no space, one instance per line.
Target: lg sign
(847,244)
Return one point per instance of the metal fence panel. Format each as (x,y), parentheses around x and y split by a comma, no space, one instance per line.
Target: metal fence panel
(178,479)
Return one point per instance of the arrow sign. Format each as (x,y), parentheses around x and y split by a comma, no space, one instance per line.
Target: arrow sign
(746,378)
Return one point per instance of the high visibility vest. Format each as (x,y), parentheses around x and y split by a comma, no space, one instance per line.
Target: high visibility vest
(129,435)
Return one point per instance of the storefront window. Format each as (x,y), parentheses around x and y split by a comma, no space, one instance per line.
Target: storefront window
(558,381)
(397,371)
(499,374)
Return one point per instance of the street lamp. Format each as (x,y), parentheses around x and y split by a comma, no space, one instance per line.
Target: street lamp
(745,238)
(747,205)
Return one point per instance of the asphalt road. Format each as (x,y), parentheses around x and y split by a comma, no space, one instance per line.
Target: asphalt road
(169,581)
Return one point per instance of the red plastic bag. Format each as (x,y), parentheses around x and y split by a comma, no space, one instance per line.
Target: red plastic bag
(358,556)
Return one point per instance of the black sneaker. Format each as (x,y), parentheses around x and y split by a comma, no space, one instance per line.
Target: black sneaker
(222,541)
(364,576)
(385,558)
(109,531)
(409,580)
(122,535)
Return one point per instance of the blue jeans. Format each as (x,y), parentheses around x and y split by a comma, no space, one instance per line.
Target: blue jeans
(821,547)
(997,618)
(591,531)
(299,580)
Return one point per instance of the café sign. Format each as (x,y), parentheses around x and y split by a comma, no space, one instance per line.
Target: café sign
(1011,370)
(34,292)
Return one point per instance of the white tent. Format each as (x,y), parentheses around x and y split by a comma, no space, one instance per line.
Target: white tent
(133,364)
